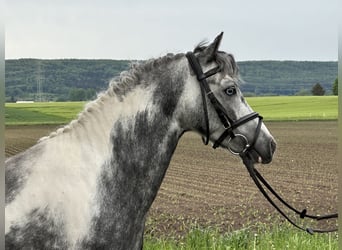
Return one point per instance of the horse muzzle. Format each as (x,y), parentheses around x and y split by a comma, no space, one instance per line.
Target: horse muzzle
(264,155)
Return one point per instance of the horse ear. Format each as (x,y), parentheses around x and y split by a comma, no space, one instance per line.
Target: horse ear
(211,50)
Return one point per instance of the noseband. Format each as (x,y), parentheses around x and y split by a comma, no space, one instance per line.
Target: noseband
(229,126)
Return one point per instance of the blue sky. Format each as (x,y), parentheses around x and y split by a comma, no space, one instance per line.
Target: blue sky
(132,29)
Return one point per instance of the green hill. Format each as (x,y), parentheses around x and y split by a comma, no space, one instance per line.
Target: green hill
(75,79)
(286,77)
(59,79)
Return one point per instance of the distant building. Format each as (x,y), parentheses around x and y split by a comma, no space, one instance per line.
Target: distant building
(24,102)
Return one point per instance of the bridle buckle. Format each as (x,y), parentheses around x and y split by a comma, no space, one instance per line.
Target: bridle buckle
(227,126)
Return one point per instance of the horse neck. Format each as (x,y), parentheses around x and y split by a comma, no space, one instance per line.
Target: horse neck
(144,142)
(142,150)
(142,147)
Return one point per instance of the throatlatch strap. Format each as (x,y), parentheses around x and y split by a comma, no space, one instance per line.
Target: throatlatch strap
(206,91)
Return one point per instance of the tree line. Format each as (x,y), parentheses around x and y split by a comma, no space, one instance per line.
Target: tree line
(61,80)
(74,79)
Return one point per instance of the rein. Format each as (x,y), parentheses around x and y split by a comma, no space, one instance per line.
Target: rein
(229,125)
(258,179)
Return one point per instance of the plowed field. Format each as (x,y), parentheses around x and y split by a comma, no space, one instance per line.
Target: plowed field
(212,188)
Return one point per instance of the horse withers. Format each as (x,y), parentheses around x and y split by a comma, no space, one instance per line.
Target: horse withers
(90,184)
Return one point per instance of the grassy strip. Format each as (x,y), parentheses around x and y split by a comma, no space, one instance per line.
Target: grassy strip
(279,108)
(292,108)
(277,237)
(41,113)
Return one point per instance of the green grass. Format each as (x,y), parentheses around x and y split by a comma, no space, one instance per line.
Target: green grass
(279,108)
(292,108)
(41,113)
(278,237)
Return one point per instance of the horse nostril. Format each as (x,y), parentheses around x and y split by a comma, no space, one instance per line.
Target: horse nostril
(273,146)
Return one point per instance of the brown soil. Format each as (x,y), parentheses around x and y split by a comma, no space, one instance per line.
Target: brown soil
(209,187)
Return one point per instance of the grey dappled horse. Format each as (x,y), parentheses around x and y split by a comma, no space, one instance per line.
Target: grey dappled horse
(90,184)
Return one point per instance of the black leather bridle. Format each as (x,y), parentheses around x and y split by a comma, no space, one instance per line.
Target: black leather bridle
(229,126)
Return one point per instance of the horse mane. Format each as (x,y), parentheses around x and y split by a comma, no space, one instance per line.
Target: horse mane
(118,87)
(128,80)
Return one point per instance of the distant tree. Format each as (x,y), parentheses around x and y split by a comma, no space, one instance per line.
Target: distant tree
(303,92)
(317,89)
(335,87)
(77,94)
(12,99)
(90,94)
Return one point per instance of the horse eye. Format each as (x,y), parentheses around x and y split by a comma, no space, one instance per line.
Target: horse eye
(230,91)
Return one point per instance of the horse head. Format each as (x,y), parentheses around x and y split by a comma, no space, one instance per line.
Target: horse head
(223,115)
